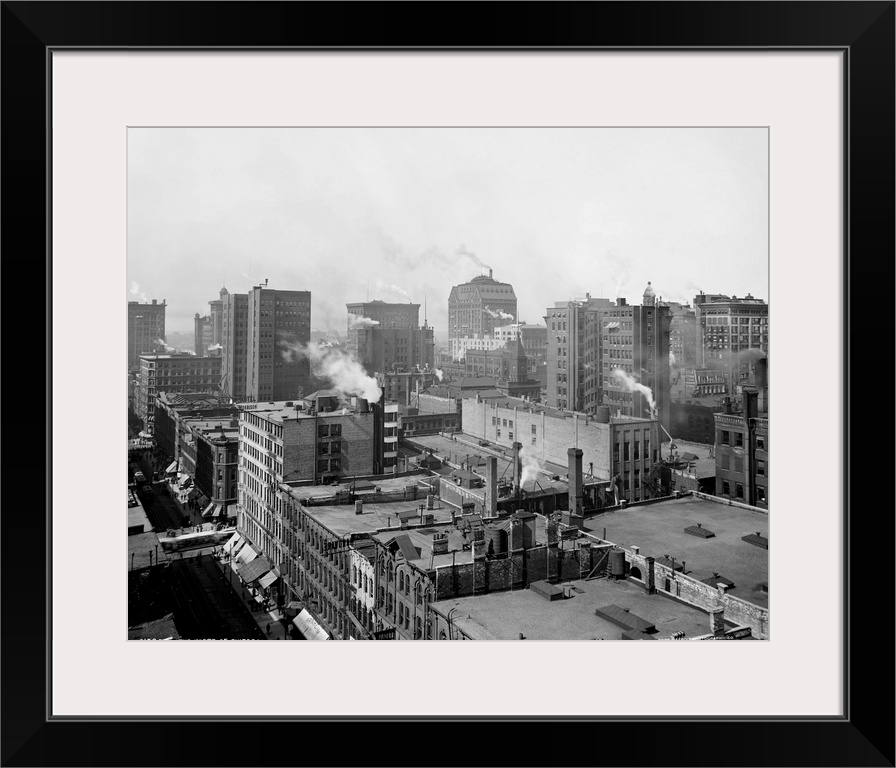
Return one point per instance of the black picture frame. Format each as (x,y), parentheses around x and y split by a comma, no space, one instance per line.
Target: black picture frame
(864,31)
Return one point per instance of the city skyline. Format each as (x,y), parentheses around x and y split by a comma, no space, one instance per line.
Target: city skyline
(402,214)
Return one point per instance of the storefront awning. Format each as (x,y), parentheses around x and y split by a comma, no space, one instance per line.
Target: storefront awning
(247,555)
(209,511)
(308,626)
(185,481)
(172,467)
(233,541)
(269,578)
(260,566)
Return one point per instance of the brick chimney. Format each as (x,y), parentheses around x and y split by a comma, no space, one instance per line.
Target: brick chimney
(717,621)
(491,486)
(576,481)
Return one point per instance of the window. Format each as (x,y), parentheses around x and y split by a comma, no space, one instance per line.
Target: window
(760,494)
(760,443)
(739,439)
(499,433)
(726,437)
(637,451)
(724,463)
(503,422)
(534,430)
(493,420)
(738,463)
(625,451)
(534,440)
(760,467)
(738,490)
(510,435)
(726,488)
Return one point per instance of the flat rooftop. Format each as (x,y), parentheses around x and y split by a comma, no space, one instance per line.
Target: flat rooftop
(503,615)
(279,411)
(364,486)
(457,450)
(341,518)
(658,529)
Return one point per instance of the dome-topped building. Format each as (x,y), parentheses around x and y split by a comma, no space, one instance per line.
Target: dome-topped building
(649,296)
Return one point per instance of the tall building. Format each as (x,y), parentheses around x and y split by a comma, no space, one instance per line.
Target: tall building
(290,441)
(202,334)
(216,313)
(386,315)
(235,330)
(727,329)
(477,308)
(278,322)
(146,326)
(588,339)
(683,336)
(388,338)
(173,373)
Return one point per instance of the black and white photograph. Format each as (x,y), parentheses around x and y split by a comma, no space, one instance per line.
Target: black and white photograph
(404,383)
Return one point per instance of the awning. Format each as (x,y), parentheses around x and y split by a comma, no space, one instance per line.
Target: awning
(260,566)
(308,626)
(247,555)
(233,541)
(184,481)
(172,467)
(269,578)
(209,510)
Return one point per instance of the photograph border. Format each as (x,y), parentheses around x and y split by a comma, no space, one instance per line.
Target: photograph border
(863,31)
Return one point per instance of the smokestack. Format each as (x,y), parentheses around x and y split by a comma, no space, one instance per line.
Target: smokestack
(517,467)
(761,373)
(363,405)
(727,402)
(574,468)
(489,274)
(491,486)
(751,403)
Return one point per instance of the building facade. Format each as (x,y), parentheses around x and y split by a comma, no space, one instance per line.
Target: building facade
(202,334)
(286,442)
(401,387)
(278,323)
(732,334)
(173,373)
(235,340)
(216,314)
(741,449)
(622,449)
(392,349)
(476,308)
(146,326)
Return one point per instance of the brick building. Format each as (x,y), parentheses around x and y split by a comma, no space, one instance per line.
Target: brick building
(622,449)
(277,320)
(741,449)
(202,334)
(146,326)
(235,340)
(173,373)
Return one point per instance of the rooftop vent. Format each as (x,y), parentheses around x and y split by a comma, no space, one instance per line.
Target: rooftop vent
(700,531)
(756,540)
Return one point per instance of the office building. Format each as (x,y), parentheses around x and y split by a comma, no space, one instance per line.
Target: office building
(386,337)
(216,314)
(279,322)
(732,333)
(146,327)
(477,308)
(235,335)
(173,373)
(202,335)
(741,449)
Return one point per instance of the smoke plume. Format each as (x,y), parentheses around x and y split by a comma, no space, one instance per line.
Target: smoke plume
(215,346)
(345,374)
(384,286)
(672,360)
(531,466)
(462,251)
(498,314)
(359,321)
(439,374)
(135,291)
(635,386)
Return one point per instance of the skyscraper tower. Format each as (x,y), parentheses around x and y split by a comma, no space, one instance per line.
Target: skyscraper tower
(476,308)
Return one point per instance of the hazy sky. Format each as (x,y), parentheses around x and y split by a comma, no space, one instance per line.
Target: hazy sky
(556,212)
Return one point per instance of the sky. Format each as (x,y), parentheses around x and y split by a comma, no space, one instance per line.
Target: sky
(403,214)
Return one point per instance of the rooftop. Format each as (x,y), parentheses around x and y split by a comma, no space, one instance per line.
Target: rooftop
(659,529)
(341,519)
(282,412)
(504,615)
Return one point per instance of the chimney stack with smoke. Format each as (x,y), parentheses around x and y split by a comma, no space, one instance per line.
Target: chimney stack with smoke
(489,272)
(517,467)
